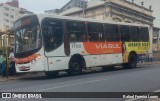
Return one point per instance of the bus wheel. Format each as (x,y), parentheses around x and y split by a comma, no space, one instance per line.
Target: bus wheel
(52,73)
(75,67)
(132,62)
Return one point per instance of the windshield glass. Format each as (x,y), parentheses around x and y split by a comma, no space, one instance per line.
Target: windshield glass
(27,39)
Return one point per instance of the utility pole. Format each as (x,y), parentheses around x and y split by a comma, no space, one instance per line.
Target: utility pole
(7,69)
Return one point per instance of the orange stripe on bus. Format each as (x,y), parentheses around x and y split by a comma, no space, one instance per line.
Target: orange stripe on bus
(103,47)
(27,59)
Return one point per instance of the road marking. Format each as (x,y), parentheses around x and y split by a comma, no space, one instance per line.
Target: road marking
(71,85)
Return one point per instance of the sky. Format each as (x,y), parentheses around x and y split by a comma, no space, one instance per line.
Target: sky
(155,7)
(39,6)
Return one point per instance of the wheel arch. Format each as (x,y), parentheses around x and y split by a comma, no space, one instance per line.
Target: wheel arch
(81,58)
(133,52)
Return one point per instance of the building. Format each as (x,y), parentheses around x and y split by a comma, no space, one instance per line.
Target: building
(156,39)
(74,3)
(71,6)
(116,10)
(154,4)
(54,11)
(9,13)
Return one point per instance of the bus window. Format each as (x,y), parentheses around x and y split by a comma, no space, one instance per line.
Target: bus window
(76,31)
(135,35)
(96,32)
(52,30)
(125,33)
(144,34)
(111,33)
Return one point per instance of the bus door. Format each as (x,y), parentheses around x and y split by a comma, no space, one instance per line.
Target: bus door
(53,37)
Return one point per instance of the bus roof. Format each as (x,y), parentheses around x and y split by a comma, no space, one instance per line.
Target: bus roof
(42,16)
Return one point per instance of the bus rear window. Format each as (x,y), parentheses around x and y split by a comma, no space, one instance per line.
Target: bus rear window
(144,34)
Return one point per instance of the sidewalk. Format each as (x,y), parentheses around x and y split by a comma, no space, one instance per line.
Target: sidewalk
(149,63)
(3,79)
(21,76)
(153,100)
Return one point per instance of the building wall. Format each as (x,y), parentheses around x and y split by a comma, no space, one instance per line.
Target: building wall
(9,13)
(117,10)
(8,16)
(74,3)
(156,39)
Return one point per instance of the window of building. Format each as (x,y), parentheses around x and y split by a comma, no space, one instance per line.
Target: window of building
(12,16)
(144,34)
(6,8)
(112,33)
(7,20)
(6,14)
(76,31)
(125,33)
(135,34)
(52,30)
(96,32)
(7,26)
(12,22)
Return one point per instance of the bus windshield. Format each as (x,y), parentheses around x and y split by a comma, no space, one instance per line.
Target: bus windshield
(27,36)
(27,39)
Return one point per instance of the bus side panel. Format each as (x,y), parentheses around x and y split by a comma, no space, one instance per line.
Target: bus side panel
(58,63)
(141,49)
(95,60)
(113,58)
(87,60)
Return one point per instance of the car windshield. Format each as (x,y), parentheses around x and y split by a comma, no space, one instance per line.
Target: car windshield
(27,39)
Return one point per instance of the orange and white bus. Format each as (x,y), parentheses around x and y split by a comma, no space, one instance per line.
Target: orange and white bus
(52,43)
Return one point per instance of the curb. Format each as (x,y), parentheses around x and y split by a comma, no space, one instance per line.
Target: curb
(8,79)
(148,63)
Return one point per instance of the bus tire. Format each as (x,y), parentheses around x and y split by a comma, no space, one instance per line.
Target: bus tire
(132,61)
(52,73)
(75,67)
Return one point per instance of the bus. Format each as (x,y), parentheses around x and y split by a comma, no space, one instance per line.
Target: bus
(52,43)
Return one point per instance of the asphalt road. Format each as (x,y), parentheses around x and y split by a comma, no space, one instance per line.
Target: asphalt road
(141,79)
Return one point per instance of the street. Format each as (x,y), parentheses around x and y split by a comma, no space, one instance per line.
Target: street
(141,79)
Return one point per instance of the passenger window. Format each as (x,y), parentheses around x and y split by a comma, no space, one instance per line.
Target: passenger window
(135,35)
(144,34)
(125,33)
(96,32)
(76,31)
(112,33)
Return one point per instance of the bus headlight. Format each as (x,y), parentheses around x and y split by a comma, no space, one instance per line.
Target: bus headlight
(38,57)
